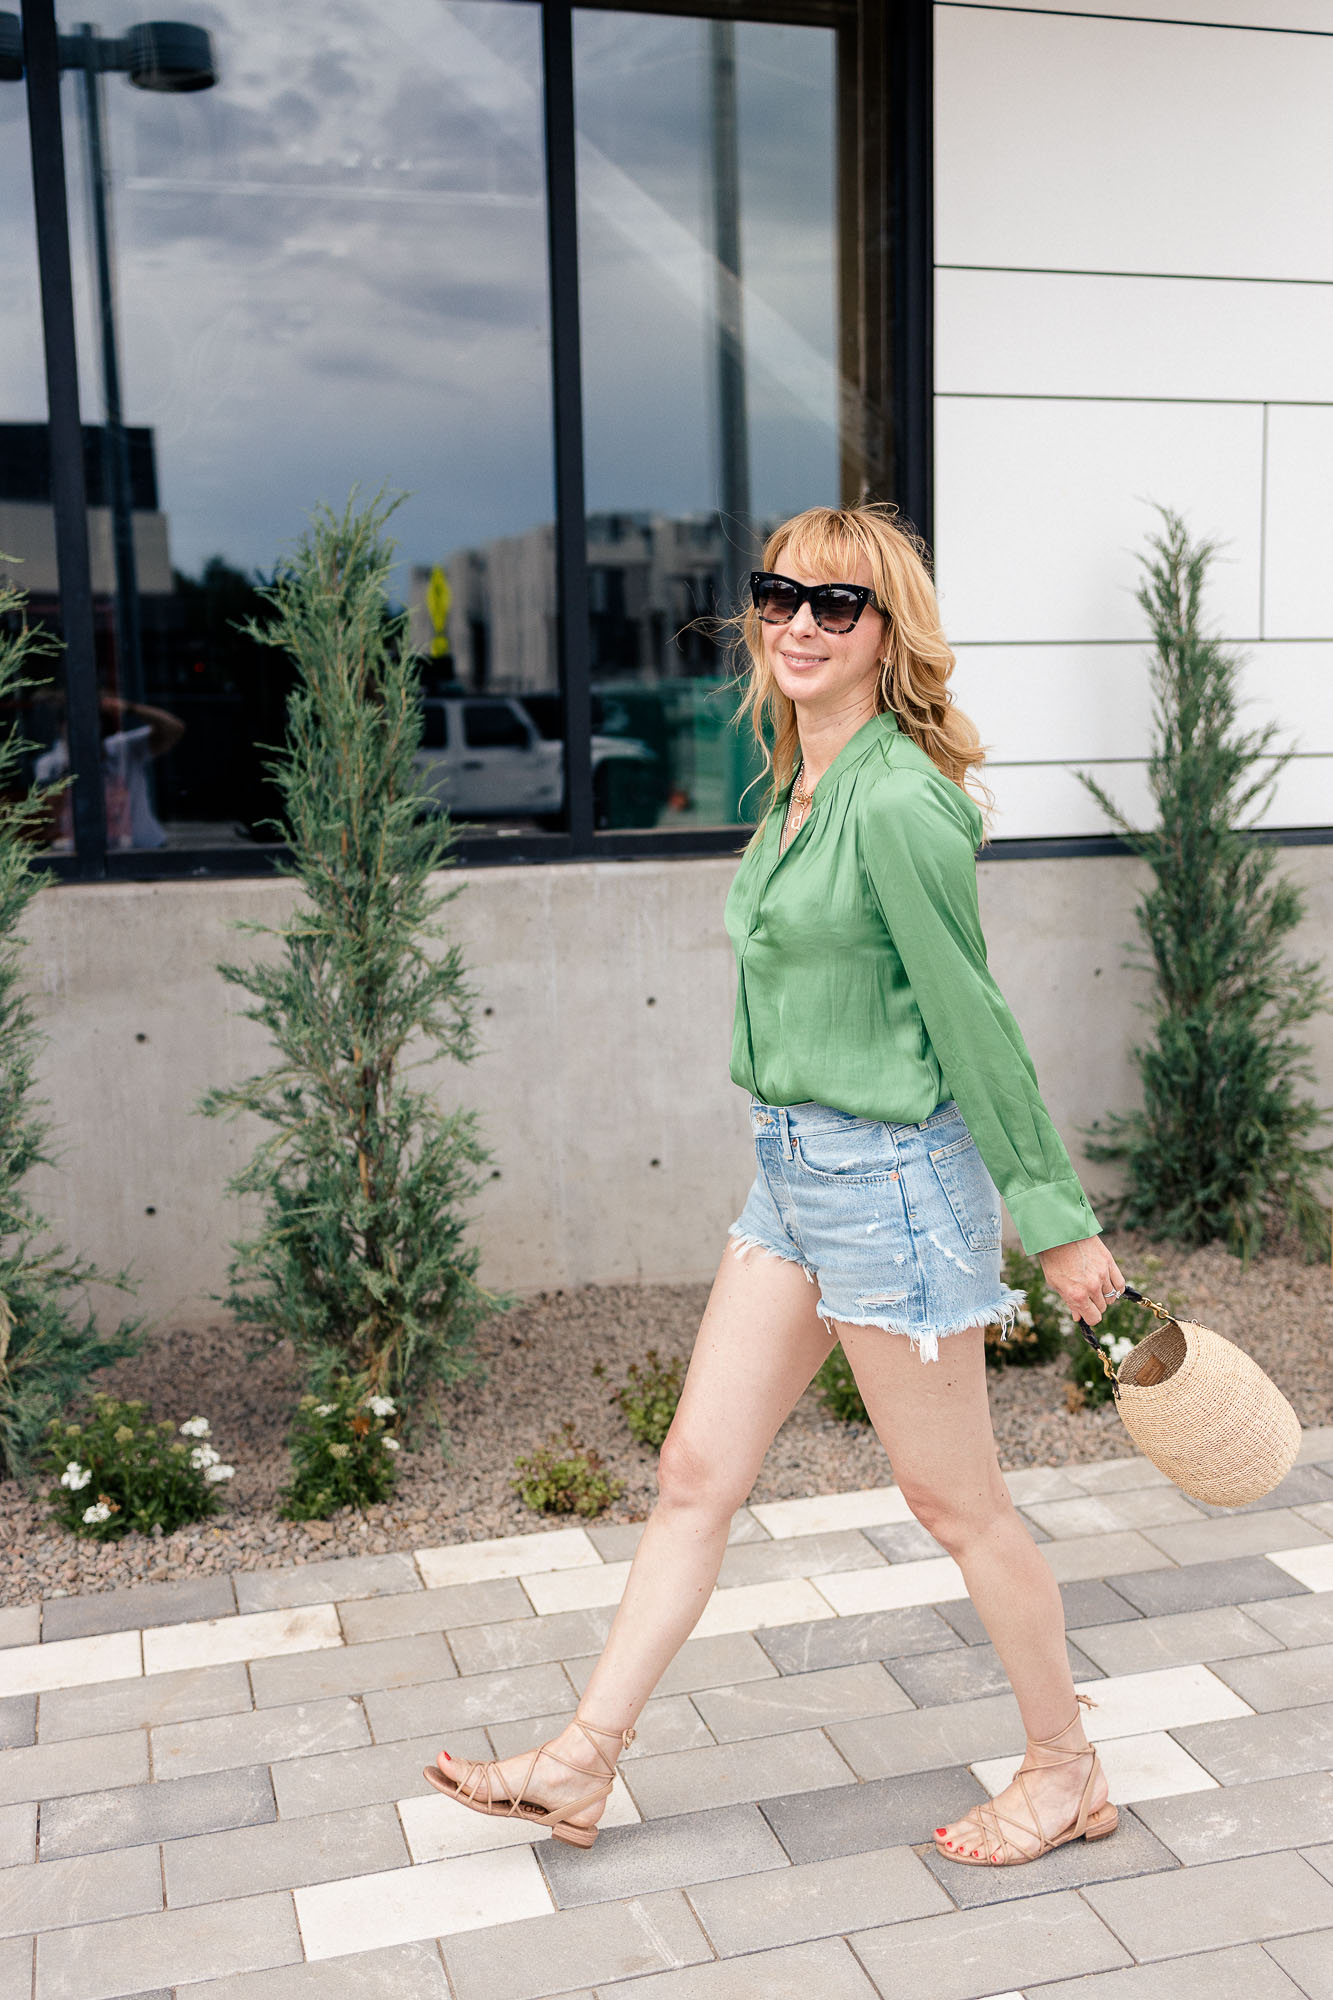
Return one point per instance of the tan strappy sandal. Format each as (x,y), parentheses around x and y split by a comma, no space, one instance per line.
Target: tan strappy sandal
(1084,1826)
(478,1786)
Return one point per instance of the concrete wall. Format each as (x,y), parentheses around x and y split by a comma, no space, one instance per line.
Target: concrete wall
(621,1145)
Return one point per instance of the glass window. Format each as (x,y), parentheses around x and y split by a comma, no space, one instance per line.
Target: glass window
(329,270)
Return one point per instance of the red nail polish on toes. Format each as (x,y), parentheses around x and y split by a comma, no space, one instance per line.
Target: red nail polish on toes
(940,1831)
(447,1758)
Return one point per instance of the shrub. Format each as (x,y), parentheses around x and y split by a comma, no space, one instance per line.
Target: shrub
(835,1385)
(648,1397)
(1121,1327)
(120,1470)
(1037,1334)
(564,1477)
(342,1453)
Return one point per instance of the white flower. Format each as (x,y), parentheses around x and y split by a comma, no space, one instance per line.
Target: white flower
(203,1456)
(216,1473)
(1120,1348)
(383,1406)
(325,1409)
(1024,1317)
(196,1427)
(76,1476)
(391,1444)
(100,1511)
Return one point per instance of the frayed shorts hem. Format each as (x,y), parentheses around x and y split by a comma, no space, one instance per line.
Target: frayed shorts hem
(926,1340)
(741,1241)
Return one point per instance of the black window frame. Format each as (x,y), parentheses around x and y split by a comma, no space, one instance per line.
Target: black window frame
(884,87)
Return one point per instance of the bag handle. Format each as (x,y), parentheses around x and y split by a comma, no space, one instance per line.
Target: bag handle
(1129,1292)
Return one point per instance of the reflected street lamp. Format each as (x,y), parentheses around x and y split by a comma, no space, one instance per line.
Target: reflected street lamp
(155,55)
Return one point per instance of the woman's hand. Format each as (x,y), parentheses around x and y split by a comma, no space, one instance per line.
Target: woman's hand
(1083,1273)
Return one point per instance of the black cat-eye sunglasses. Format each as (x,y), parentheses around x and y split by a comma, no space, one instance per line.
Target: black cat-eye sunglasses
(835,607)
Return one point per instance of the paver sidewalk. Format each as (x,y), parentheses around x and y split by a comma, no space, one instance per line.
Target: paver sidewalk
(214,1788)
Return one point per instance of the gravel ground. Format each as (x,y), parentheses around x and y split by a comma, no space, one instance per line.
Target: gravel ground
(538,1360)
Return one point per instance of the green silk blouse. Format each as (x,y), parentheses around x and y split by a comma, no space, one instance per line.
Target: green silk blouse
(862,974)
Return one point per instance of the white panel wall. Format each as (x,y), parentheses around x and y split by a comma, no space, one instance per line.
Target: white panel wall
(1134,304)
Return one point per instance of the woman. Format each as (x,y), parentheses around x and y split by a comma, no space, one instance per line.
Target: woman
(891,1094)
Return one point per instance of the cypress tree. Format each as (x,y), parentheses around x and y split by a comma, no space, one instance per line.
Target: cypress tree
(1218,1150)
(360,1258)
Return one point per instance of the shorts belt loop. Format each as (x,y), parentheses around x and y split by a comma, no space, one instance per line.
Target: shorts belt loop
(785,1128)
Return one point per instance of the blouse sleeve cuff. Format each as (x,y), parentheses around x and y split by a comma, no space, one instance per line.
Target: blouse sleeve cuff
(1055,1212)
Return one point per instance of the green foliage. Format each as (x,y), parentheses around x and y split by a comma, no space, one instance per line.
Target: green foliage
(648,1397)
(49,1340)
(564,1477)
(1217,1152)
(835,1385)
(120,1470)
(342,1453)
(361,1258)
(1037,1334)
(1121,1327)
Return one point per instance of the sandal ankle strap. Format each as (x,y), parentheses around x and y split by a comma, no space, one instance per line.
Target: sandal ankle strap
(626,1736)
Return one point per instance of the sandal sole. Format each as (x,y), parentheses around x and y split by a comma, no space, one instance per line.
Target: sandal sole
(574,1836)
(1100,1825)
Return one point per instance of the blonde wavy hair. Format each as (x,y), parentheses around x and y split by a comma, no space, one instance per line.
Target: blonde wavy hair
(829,542)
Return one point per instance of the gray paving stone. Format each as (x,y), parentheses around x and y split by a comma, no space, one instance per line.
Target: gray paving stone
(1116,1475)
(735,1773)
(1087,1601)
(332,1582)
(1181,1638)
(1083,1556)
(1320,1858)
(334,1670)
(145,1604)
(668,1722)
(1245,1748)
(264,1736)
(444,1610)
(18,1834)
(816,1899)
(54,1770)
(930,1739)
(1296,1621)
(761,1708)
(526,1642)
(906,1541)
(1238,1535)
(661,1854)
(1229,1902)
(137,1814)
(883,1812)
(974,1671)
(701,1663)
(397,1972)
(1130,1850)
(1281,1680)
(861,1636)
(825,1967)
(153,1698)
(81,1891)
(173,1946)
(995,1950)
(16,1968)
(1319,1516)
(1200,1586)
(1111,1513)
(18,1721)
(618,1540)
(471,1701)
(20,1625)
(808,1555)
(537,1956)
(285,1854)
(1303,1486)
(1308,1961)
(1240,1972)
(1260,1818)
(366,1777)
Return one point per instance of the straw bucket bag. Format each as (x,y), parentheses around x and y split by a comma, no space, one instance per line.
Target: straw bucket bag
(1201,1410)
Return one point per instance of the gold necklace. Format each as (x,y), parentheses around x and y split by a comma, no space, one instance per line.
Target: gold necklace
(802,801)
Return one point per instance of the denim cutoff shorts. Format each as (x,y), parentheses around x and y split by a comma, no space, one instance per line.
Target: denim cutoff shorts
(898,1224)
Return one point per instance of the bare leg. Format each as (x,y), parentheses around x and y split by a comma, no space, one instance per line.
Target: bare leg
(933,1419)
(759,1343)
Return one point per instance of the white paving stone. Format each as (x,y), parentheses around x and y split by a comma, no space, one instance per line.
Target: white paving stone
(1316,1443)
(438,1830)
(109,1656)
(748,1607)
(576,1589)
(938,1580)
(1312,1567)
(1137,1767)
(436,1899)
(1040,1482)
(877,1507)
(1164,1698)
(254,1635)
(506,1555)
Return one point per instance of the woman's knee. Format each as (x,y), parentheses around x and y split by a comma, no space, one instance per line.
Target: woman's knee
(956,1518)
(689,1477)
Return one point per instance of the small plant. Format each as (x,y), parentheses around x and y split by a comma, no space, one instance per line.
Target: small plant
(564,1477)
(342,1453)
(1037,1334)
(647,1400)
(835,1385)
(120,1470)
(1119,1330)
